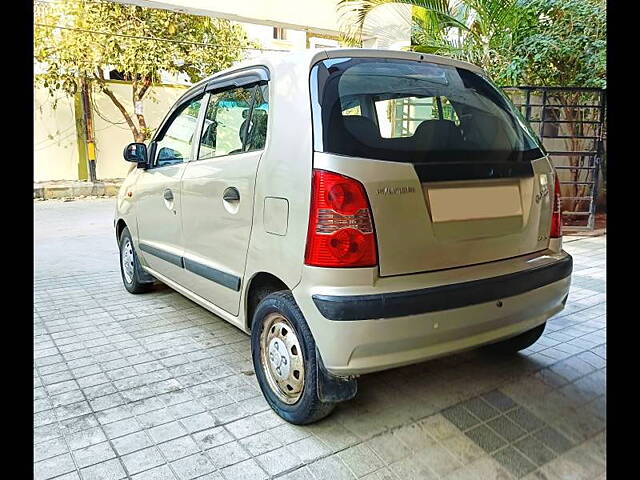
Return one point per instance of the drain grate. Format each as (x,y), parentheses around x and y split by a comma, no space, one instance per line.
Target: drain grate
(511,434)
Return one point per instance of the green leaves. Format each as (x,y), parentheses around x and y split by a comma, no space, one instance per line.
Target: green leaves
(534,42)
(139,42)
(559,43)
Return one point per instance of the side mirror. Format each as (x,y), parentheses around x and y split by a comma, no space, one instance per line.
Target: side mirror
(136,153)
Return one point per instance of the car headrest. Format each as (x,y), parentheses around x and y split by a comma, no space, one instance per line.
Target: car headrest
(362,128)
(437,135)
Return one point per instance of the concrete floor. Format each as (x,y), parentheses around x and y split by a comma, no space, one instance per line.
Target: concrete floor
(154,387)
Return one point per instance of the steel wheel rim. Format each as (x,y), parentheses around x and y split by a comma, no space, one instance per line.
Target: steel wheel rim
(281,358)
(127,261)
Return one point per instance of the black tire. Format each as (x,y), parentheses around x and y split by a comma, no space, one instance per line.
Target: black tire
(135,284)
(308,408)
(519,342)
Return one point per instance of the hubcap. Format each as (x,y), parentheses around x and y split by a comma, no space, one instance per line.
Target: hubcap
(281,358)
(127,261)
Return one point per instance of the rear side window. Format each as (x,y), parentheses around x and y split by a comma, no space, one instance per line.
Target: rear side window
(409,111)
(235,122)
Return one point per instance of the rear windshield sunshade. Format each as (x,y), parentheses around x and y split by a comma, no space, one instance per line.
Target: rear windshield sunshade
(417,112)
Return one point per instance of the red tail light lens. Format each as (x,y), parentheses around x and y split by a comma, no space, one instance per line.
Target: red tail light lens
(556,217)
(341,231)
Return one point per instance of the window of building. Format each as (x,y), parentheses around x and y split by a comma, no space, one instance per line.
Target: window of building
(279,33)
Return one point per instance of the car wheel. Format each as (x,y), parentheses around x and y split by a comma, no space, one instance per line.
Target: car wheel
(284,359)
(130,268)
(519,342)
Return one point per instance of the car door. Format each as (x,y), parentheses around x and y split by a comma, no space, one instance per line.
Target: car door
(158,193)
(218,193)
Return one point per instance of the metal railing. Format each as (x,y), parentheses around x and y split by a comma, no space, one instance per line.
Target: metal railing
(572,125)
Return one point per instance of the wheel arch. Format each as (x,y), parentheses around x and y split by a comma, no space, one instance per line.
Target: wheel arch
(260,285)
(120,226)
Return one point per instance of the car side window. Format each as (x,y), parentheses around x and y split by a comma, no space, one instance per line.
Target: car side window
(174,146)
(257,131)
(235,122)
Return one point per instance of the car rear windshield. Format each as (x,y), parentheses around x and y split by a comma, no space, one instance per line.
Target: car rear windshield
(411,111)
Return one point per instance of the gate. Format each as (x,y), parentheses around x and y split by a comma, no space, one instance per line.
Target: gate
(572,125)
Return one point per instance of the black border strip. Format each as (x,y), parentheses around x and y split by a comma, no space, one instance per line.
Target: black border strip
(166,256)
(444,297)
(452,171)
(223,278)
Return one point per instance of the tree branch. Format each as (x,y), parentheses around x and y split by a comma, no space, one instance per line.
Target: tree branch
(116,102)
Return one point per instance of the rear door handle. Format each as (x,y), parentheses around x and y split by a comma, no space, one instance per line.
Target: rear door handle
(168,195)
(231,194)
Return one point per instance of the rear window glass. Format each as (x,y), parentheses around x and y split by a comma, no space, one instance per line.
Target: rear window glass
(410,111)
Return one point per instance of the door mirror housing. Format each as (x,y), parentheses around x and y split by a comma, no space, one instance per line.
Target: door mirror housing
(136,153)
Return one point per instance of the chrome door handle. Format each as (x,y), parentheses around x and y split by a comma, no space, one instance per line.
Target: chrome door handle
(168,195)
(231,194)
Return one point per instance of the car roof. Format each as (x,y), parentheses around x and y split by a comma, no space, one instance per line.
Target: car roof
(277,60)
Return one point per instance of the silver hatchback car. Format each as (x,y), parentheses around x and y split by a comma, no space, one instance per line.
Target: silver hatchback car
(353,210)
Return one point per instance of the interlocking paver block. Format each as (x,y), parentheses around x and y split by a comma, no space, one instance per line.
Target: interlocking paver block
(278,461)
(514,461)
(331,467)
(288,433)
(193,466)
(142,460)
(198,422)
(535,450)
(361,460)
(481,409)
(49,448)
(109,470)
(438,427)
(167,431)
(227,454)
(506,428)
(525,419)
(261,443)
(388,448)
(463,448)
(212,437)
(486,438)
(159,473)
(460,417)
(121,428)
(553,439)
(93,454)
(499,400)
(53,467)
(302,473)
(247,470)
(410,468)
(178,448)
(131,443)
(309,449)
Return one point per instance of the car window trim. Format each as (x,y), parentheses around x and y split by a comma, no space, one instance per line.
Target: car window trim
(195,148)
(239,78)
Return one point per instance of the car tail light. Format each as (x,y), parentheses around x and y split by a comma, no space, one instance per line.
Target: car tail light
(341,232)
(556,216)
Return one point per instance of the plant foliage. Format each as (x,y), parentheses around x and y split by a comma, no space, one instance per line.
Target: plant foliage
(138,42)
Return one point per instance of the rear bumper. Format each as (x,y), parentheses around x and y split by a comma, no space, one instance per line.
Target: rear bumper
(392,322)
(443,297)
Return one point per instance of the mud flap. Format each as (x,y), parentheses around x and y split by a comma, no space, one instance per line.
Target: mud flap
(331,388)
(141,273)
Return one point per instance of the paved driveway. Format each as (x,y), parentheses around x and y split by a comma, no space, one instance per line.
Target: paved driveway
(155,387)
